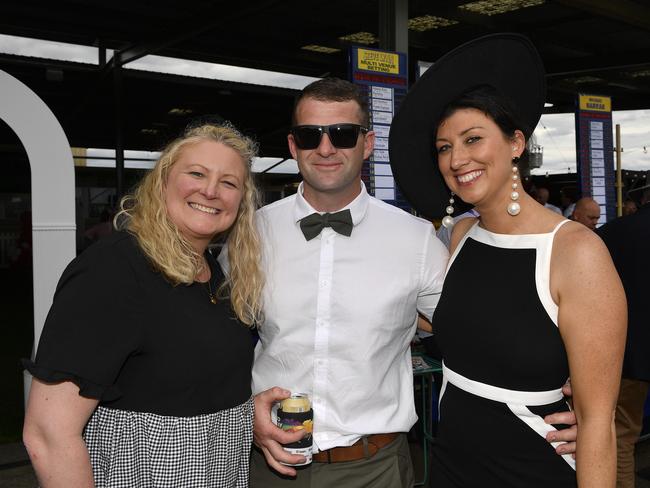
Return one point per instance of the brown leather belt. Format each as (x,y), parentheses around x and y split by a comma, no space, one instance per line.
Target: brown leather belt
(364,448)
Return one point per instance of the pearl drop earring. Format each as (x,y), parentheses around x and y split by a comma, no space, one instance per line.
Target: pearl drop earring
(513,207)
(448,220)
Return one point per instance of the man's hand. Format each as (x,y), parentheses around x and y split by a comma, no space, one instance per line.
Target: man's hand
(269,437)
(566,436)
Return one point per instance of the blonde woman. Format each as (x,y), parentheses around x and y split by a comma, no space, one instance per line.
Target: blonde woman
(142,374)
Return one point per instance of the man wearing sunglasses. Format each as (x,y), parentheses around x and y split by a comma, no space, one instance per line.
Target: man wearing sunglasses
(346,275)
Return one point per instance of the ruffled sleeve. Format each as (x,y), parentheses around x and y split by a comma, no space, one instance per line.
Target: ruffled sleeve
(94,324)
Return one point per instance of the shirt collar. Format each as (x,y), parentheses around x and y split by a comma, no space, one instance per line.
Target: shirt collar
(357,207)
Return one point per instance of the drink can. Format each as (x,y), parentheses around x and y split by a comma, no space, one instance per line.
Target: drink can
(294,414)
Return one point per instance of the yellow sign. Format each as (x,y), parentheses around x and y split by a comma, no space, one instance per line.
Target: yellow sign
(595,104)
(79,155)
(379,61)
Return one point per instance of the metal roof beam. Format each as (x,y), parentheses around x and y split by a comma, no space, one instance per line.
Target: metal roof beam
(625,11)
(630,61)
(191,30)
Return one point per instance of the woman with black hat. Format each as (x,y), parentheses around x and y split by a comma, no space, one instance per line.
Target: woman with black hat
(544,298)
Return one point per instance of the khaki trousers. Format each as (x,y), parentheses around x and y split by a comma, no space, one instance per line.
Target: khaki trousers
(391,467)
(629,422)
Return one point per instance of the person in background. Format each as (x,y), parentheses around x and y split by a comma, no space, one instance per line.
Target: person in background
(101,229)
(542,196)
(627,239)
(568,197)
(528,297)
(629,207)
(587,212)
(142,373)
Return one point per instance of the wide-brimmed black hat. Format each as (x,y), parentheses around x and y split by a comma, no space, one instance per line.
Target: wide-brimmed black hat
(507,63)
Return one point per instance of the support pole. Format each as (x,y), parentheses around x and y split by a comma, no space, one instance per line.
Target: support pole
(393,25)
(619,178)
(119,127)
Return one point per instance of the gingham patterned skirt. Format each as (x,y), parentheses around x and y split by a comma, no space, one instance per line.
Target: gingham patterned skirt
(143,450)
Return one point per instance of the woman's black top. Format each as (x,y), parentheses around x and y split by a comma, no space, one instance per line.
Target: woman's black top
(126,336)
(504,364)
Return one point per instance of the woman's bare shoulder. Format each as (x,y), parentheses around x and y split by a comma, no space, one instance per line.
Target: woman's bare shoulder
(577,246)
(460,229)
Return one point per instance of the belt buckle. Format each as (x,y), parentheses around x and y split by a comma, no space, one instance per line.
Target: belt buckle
(366,451)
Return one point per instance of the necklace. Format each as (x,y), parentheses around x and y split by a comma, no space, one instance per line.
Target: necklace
(208,288)
(213,296)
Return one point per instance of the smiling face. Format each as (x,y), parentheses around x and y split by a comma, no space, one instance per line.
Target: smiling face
(474,157)
(203,191)
(331,176)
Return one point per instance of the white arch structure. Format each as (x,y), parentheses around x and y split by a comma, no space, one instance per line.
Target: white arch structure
(53,190)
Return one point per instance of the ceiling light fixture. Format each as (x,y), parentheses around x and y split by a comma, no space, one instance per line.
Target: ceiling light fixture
(320,49)
(181,111)
(496,7)
(429,22)
(584,79)
(361,38)
(640,74)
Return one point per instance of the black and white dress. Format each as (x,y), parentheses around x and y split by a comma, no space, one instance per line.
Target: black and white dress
(172,371)
(504,365)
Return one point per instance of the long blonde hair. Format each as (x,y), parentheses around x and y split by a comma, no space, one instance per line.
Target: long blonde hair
(144,214)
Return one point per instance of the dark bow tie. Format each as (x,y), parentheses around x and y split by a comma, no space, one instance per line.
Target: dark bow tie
(313,224)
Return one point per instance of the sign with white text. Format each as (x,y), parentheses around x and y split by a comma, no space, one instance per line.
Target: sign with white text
(382,77)
(595,154)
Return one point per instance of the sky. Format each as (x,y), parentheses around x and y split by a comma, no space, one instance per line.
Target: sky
(555,132)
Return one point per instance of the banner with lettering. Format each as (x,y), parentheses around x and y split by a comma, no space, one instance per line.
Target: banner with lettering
(595,153)
(382,77)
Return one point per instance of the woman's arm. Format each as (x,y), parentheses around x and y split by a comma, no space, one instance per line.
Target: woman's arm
(54,421)
(592,321)
(424,324)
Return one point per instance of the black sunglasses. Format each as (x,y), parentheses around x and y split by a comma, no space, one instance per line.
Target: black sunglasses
(342,136)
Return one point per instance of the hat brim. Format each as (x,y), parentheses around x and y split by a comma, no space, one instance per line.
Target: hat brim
(508,63)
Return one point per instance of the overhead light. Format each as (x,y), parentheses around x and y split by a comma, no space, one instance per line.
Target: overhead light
(547,104)
(625,86)
(180,111)
(361,38)
(428,22)
(496,7)
(320,49)
(584,79)
(640,74)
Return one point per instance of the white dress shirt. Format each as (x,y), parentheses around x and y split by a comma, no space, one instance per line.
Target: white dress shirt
(340,313)
(555,209)
(568,212)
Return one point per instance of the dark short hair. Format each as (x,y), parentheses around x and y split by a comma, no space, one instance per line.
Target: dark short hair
(489,101)
(333,90)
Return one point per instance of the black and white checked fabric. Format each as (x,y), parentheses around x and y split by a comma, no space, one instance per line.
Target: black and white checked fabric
(144,450)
